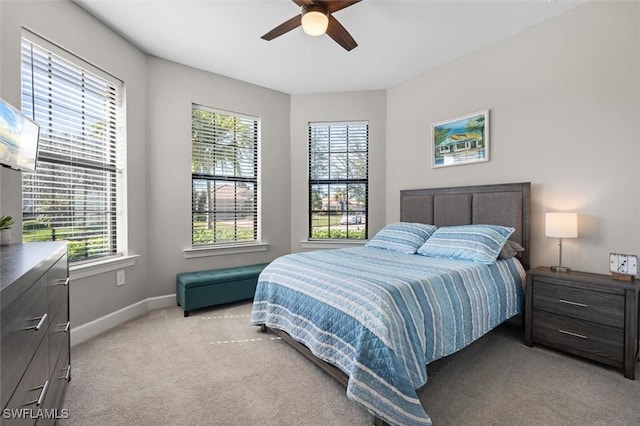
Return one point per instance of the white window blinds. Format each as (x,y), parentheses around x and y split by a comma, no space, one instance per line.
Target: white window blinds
(338,180)
(224,177)
(73,195)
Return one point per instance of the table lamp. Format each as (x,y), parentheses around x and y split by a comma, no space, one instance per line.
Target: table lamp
(561,225)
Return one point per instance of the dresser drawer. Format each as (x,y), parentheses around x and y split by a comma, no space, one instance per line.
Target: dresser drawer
(594,306)
(57,283)
(59,330)
(24,324)
(578,336)
(60,376)
(32,390)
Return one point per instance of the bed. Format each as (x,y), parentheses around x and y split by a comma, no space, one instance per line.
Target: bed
(374,316)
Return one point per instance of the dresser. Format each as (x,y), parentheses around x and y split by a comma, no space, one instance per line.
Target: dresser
(35,328)
(590,315)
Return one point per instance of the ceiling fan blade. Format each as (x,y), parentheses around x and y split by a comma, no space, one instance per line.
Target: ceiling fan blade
(341,36)
(283,28)
(336,5)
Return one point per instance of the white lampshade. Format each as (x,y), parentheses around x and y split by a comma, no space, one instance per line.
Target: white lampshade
(315,22)
(561,225)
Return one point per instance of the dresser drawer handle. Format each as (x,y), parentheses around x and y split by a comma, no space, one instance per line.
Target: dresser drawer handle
(43,393)
(37,327)
(67,374)
(63,327)
(573,334)
(569,302)
(65,282)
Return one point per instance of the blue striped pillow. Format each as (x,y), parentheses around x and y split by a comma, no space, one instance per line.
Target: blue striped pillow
(403,237)
(480,243)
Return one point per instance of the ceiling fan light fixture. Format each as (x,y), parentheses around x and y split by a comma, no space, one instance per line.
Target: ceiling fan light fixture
(315,20)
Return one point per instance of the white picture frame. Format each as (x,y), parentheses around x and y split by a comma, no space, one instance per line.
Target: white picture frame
(460,140)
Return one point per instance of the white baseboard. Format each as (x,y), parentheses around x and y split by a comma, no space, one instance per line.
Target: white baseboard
(160,302)
(100,325)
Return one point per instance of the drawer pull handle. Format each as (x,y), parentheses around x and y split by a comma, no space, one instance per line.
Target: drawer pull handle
(569,302)
(67,373)
(573,334)
(63,328)
(37,327)
(43,393)
(65,282)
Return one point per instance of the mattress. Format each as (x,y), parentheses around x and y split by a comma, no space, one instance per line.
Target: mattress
(381,316)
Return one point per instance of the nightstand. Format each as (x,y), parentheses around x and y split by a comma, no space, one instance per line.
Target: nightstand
(590,315)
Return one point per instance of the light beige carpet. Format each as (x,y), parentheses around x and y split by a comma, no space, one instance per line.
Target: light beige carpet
(213,368)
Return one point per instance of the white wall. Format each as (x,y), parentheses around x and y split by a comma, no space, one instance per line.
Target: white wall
(171,89)
(564,97)
(345,106)
(70,27)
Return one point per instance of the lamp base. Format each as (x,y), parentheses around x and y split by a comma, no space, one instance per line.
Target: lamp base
(561,269)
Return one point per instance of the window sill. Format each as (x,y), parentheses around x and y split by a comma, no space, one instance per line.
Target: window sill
(89,269)
(331,244)
(192,253)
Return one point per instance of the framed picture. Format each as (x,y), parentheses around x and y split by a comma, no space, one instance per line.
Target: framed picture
(460,140)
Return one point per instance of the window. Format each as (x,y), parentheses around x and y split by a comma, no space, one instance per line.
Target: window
(338,180)
(76,191)
(224,177)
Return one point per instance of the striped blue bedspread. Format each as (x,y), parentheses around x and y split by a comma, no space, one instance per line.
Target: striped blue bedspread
(382,316)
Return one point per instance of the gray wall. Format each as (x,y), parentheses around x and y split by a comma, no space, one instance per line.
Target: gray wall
(159,94)
(74,30)
(345,106)
(171,89)
(564,97)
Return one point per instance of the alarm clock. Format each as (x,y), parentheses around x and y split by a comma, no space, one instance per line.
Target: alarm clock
(623,266)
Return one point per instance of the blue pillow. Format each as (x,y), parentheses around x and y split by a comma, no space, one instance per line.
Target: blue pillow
(480,243)
(403,237)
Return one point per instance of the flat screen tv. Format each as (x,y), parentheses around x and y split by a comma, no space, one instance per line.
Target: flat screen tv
(18,139)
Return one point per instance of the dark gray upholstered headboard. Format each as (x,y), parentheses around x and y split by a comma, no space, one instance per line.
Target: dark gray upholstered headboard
(501,204)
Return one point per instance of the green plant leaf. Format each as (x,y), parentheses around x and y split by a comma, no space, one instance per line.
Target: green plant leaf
(6,222)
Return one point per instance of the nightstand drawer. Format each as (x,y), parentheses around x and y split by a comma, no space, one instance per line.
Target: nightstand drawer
(577,336)
(594,306)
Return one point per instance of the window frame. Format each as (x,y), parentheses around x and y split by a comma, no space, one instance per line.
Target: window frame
(114,147)
(236,245)
(336,181)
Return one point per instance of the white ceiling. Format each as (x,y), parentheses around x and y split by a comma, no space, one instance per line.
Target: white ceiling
(397,39)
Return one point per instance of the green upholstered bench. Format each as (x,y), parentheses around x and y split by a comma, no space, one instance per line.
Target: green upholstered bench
(201,289)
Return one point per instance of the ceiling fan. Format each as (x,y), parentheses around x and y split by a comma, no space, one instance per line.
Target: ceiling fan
(316,19)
